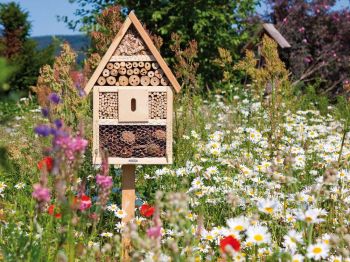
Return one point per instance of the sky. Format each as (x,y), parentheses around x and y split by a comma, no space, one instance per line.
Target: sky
(43,15)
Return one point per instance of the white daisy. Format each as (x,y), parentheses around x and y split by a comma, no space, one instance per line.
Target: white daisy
(120,213)
(297,258)
(292,239)
(317,251)
(268,206)
(20,185)
(258,235)
(311,216)
(238,223)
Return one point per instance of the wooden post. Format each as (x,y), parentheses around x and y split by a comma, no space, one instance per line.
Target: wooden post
(128,205)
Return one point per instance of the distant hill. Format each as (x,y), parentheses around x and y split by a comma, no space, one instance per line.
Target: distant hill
(79,43)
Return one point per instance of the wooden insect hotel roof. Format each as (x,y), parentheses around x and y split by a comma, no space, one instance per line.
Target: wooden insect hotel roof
(132,20)
(276,35)
(271,31)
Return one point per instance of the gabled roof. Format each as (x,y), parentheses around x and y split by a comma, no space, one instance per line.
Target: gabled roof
(271,30)
(276,35)
(132,20)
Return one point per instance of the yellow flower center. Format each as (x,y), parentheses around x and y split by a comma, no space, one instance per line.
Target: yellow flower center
(317,250)
(258,237)
(308,219)
(209,238)
(239,228)
(296,260)
(269,210)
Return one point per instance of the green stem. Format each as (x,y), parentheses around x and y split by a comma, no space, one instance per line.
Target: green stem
(342,141)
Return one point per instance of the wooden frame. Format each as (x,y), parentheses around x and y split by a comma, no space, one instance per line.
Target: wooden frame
(168,159)
(155,116)
(132,20)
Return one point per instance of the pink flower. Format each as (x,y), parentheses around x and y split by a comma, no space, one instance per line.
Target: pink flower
(304,41)
(154,232)
(83,202)
(307,60)
(40,193)
(71,145)
(302,29)
(104,181)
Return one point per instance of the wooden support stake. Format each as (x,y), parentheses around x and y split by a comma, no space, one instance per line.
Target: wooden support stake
(128,205)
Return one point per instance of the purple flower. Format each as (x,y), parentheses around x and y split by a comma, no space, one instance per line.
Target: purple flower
(40,193)
(43,130)
(104,181)
(58,123)
(154,232)
(54,98)
(81,92)
(45,112)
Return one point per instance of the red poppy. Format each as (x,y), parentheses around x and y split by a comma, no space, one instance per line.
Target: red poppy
(46,162)
(229,241)
(147,210)
(83,202)
(51,211)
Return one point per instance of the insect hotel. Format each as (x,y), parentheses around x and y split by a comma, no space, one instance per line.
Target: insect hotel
(132,100)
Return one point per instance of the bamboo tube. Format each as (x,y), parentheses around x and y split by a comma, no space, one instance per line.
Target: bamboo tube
(145,80)
(155,66)
(101,81)
(150,73)
(129,72)
(158,73)
(116,65)
(122,71)
(109,66)
(143,71)
(105,72)
(154,81)
(164,81)
(134,80)
(123,81)
(148,66)
(111,80)
(128,65)
(114,72)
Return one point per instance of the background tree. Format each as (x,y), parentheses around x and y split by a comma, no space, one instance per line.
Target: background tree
(210,23)
(19,50)
(320,37)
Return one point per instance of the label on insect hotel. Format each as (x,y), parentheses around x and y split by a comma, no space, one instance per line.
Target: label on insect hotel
(133,100)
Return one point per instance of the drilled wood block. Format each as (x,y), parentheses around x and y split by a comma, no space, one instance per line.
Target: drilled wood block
(157,105)
(108,105)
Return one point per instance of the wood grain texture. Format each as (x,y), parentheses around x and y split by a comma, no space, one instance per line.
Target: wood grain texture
(154,51)
(169,126)
(95,119)
(105,59)
(128,205)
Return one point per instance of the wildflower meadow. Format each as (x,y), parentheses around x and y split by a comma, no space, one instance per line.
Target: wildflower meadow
(260,172)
